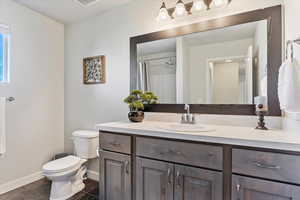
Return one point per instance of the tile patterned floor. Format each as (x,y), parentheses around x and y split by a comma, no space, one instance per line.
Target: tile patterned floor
(40,190)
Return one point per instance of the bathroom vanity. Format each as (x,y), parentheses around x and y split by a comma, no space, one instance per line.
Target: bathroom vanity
(218,67)
(145,161)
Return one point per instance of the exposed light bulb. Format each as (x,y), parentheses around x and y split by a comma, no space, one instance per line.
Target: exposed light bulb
(198,5)
(219,3)
(163,14)
(180,9)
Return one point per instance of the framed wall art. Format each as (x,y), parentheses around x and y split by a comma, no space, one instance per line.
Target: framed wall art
(94,70)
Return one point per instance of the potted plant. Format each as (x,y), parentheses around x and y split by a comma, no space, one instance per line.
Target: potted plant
(137,101)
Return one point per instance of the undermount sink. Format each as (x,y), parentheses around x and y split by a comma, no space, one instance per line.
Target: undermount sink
(190,128)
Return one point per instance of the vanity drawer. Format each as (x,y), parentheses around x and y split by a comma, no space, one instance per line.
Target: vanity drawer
(115,142)
(200,155)
(273,166)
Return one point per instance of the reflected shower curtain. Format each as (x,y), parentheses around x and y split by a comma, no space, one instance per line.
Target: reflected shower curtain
(143,77)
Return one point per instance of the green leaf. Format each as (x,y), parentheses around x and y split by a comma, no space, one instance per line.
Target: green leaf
(137,99)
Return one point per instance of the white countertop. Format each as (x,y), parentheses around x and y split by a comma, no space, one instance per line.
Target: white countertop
(233,135)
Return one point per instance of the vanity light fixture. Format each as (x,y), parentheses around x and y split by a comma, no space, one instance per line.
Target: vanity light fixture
(163,13)
(198,5)
(219,3)
(182,9)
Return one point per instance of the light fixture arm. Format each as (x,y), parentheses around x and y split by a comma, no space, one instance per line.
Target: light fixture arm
(163,5)
(208,3)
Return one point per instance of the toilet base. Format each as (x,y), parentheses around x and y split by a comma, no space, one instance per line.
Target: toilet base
(64,189)
(74,191)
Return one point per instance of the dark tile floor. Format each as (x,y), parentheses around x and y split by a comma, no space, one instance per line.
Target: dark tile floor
(40,190)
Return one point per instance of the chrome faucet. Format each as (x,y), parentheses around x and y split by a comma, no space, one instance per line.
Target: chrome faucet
(187,118)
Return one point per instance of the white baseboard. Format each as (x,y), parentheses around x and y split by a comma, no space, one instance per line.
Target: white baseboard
(35,177)
(93,175)
(20,182)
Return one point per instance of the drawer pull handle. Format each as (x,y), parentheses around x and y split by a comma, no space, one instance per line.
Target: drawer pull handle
(178,179)
(115,144)
(266,166)
(169,176)
(127,167)
(172,152)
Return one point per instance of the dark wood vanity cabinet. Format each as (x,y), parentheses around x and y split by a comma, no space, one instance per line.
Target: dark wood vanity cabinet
(156,180)
(115,176)
(146,168)
(244,188)
(266,166)
(197,184)
(174,179)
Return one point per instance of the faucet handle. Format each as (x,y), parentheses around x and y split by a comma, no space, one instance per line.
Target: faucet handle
(193,121)
(190,118)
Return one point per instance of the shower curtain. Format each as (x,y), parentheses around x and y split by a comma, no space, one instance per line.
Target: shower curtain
(143,77)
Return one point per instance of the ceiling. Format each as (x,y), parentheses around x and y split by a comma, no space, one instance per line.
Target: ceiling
(70,11)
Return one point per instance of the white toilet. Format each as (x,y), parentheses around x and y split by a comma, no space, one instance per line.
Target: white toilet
(67,174)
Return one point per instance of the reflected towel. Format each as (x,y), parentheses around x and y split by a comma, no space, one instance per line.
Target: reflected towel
(2,126)
(289,86)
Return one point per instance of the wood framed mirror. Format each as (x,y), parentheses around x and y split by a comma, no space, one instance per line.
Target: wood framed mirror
(244,61)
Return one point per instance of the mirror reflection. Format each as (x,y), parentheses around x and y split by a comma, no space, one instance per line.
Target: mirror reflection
(222,66)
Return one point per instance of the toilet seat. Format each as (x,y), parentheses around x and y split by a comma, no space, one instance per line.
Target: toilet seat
(62,164)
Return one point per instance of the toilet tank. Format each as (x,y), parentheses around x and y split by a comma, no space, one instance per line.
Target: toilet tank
(86,143)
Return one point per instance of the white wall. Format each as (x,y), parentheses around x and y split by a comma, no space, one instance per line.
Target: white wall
(35,123)
(198,69)
(261,54)
(109,34)
(292,28)
(182,71)
(226,83)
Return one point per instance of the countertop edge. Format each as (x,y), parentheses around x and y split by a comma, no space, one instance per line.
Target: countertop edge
(205,139)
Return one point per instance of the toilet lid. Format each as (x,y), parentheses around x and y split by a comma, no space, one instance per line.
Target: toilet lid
(86,134)
(62,164)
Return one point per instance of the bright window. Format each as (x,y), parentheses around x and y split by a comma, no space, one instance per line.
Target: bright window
(4,53)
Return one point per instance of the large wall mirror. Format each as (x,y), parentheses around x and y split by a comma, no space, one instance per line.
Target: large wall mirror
(217,66)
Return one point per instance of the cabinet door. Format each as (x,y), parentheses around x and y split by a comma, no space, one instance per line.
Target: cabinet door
(154,180)
(115,176)
(197,184)
(244,188)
